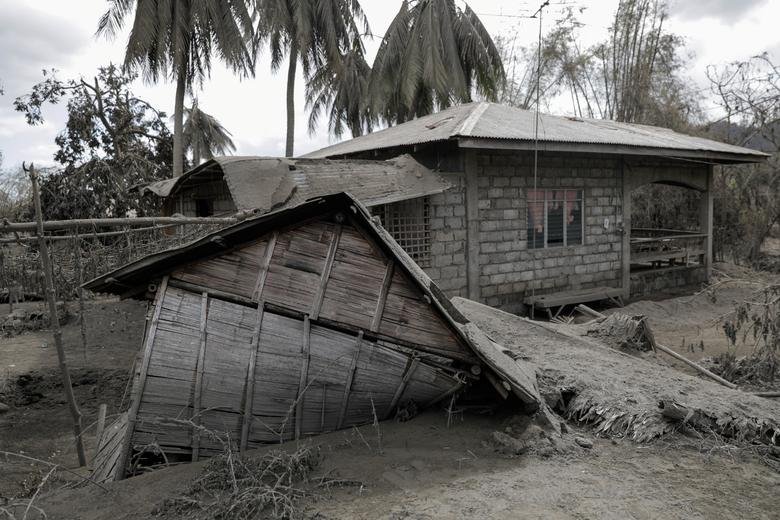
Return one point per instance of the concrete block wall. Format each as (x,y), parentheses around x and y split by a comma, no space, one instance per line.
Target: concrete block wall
(448,237)
(509,270)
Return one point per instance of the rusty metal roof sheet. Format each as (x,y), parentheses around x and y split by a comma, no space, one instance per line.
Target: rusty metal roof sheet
(489,121)
(265,183)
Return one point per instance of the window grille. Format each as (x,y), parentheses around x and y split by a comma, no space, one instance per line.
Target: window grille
(555,218)
(409,222)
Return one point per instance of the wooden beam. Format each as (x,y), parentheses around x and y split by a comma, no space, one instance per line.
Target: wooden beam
(204,310)
(135,401)
(381,301)
(304,376)
(402,386)
(348,384)
(249,386)
(316,304)
(625,249)
(473,270)
(262,276)
(455,388)
(705,219)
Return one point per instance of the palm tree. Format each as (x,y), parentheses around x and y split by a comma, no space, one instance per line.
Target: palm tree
(176,39)
(314,32)
(340,90)
(434,54)
(204,136)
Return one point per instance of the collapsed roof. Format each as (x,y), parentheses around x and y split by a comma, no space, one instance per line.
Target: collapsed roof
(266,183)
(147,270)
(295,322)
(491,125)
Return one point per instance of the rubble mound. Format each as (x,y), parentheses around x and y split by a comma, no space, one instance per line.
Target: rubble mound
(624,332)
(23,320)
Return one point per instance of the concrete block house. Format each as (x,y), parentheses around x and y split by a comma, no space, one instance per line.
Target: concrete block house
(490,219)
(510,238)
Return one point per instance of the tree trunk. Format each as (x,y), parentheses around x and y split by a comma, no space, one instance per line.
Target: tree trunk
(195,152)
(178,123)
(290,144)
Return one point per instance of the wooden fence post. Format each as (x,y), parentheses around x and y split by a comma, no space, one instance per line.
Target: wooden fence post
(55,321)
(80,291)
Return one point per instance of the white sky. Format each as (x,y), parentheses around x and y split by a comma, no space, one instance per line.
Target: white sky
(45,34)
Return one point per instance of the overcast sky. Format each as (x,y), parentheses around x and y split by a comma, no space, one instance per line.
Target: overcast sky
(45,34)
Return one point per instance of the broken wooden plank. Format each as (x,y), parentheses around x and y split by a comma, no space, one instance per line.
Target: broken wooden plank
(520,378)
(350,378)
(199,368)
(325,276)
(132,413)
(382,300)
(262,275)
(402,386)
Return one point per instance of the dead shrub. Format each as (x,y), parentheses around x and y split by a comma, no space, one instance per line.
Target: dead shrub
(245,487)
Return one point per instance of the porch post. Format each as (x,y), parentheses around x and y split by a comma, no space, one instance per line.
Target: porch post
(705,220)
(472,224)
(626,249)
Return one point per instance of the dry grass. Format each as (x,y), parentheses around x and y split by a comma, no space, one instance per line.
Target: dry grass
(246,487)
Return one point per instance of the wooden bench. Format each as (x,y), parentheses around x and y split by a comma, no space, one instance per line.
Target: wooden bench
(563,298)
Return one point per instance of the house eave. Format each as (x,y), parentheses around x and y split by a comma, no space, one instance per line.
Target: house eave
(704,156)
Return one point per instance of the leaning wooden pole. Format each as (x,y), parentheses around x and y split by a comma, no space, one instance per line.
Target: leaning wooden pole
(54,319)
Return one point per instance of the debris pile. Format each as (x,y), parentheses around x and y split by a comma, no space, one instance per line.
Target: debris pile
(756,370)
(235,486)
(625,396)
(21,320)
(624,332)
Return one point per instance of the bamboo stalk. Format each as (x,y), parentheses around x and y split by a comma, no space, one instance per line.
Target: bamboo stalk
(49,225)
(696,366)
(102,234)
(54,320)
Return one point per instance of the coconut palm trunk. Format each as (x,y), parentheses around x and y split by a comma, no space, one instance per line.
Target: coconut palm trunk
(178,124)
(289,148)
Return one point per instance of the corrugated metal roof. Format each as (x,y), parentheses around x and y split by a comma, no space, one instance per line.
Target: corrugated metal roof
(494,121)
(265,183)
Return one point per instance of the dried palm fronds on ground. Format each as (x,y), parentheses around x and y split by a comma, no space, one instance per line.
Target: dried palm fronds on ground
(618,394)
(625,332)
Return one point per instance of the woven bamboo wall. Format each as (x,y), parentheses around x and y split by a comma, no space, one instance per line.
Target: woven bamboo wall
(306,330)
